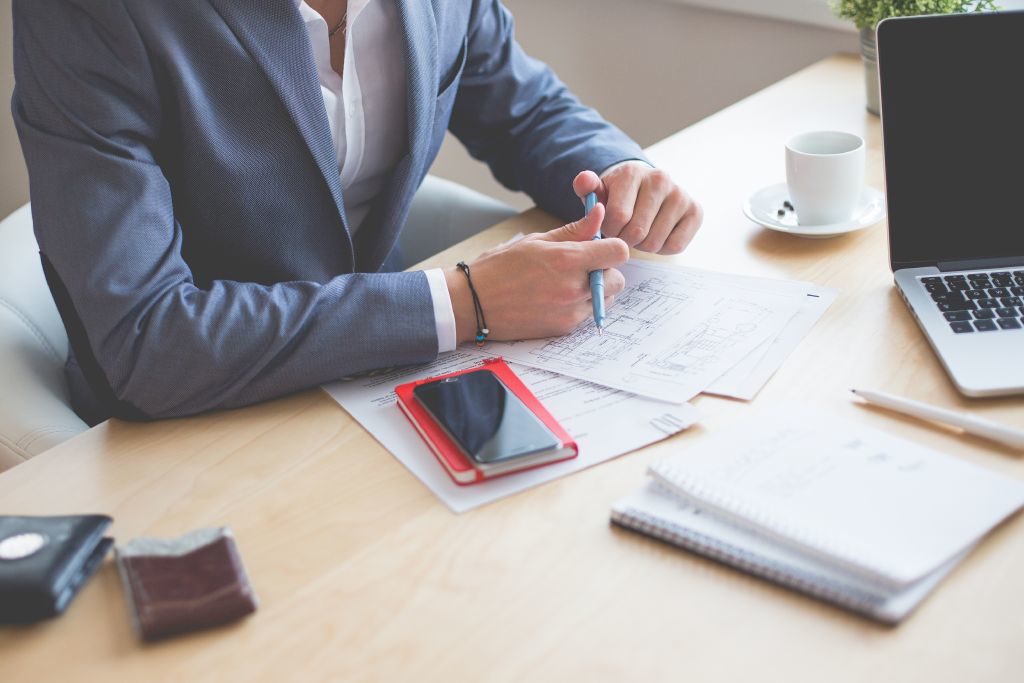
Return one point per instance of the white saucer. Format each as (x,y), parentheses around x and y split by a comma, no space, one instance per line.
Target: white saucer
(763,207)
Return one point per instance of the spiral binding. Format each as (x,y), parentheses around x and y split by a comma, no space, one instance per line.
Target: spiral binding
(816,586)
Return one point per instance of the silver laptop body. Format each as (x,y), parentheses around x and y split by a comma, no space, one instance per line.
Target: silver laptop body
(953,130)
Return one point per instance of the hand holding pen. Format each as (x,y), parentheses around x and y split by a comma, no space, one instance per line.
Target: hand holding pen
(538,286)
(645,208)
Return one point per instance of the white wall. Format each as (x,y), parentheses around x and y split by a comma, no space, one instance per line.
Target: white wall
(13,180)
(650,66)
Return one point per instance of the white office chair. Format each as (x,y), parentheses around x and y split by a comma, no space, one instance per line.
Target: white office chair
(443,213)
(34,409)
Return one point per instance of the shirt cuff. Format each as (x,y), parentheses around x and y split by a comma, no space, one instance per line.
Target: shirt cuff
(444,314)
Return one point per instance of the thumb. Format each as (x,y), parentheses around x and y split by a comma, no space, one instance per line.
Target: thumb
(587,182)
(582,230)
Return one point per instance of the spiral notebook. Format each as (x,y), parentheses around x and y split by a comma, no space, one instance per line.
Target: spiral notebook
(872,517)
(882,507)
(657,513)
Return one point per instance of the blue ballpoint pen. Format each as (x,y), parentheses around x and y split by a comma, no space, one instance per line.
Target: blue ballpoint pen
(596,276)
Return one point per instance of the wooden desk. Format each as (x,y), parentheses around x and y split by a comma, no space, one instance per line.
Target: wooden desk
(364,575)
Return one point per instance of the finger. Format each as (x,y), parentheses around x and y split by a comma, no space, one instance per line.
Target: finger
(684,230)
(606,253)
(672,210)
(622,195)
(575,315)
(614,281)
(584,312)
(578,231)
(653,191)
(587,182)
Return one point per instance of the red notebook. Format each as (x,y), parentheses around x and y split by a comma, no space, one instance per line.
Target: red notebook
(461,469)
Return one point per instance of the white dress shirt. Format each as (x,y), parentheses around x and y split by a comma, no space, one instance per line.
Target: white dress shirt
(367,114)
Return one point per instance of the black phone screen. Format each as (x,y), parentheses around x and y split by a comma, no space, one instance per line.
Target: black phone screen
(484,417)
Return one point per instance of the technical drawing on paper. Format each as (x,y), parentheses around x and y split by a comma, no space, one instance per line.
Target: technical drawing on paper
(732,322)
(639,312)
(668,335)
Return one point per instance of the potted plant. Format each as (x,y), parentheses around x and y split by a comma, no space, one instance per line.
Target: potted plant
(866,14)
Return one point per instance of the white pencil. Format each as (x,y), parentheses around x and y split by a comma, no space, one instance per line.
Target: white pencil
(970,424)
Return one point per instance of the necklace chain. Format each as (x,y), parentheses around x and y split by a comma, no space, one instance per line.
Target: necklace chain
(337,27)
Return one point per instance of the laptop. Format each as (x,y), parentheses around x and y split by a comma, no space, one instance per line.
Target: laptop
(952,101)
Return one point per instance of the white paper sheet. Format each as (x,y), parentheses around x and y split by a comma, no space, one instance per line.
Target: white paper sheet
(745,379)
(669,335)
(604,422)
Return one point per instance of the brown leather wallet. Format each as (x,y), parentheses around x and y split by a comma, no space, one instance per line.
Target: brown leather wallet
(184,584)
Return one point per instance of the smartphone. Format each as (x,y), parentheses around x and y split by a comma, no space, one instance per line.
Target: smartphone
(485,419)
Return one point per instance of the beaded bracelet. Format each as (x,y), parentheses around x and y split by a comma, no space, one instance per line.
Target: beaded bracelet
(481,324)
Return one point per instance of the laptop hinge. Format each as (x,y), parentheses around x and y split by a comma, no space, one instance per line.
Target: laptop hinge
(973,264)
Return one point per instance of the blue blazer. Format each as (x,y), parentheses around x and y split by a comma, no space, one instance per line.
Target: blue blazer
(186,196)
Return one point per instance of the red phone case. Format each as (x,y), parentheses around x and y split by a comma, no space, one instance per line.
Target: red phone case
(447,452)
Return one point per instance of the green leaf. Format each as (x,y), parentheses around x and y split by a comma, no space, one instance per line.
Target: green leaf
(867,13)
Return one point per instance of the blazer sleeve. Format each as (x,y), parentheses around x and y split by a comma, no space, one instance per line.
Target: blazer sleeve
(89,115)
(512,112)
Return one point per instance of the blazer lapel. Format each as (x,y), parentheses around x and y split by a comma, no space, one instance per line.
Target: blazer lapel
(419,34)
(419,44)
(275,36)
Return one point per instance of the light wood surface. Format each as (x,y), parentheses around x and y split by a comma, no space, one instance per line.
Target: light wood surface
(364,575)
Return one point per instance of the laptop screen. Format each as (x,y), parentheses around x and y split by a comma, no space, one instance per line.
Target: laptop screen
(953,129)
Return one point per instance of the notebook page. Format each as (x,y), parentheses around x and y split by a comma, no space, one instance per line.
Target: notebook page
(884,506)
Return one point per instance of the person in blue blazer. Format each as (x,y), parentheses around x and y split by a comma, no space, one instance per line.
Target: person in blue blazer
(196,224)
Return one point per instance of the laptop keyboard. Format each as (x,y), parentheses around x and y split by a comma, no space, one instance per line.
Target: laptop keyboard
(980,301)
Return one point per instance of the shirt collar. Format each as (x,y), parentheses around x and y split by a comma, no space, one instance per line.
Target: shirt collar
(354,7)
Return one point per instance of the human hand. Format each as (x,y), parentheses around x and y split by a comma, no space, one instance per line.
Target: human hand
(538,286)
(646,209)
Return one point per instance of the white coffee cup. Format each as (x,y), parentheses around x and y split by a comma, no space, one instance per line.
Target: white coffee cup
(825,176)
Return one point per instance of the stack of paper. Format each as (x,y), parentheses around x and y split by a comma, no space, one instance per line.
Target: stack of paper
(675,332)
(845,513)
(672,334)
